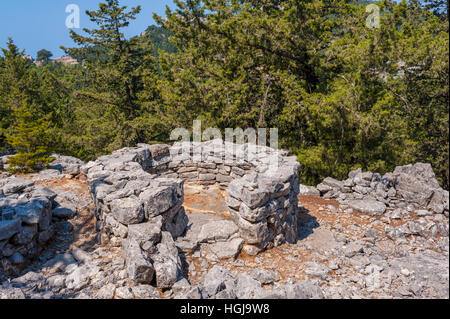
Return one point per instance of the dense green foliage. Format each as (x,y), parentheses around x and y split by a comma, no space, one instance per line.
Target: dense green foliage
(343,95)
(29,136)
(159,37)
(26,113)
(109,114)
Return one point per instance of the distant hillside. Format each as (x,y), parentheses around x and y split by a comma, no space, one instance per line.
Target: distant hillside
(158,35)
(160,39)
(90,54)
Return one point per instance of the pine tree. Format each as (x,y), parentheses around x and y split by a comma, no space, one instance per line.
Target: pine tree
(109,110)
(341,94)
(29,136)
(14,71)
(43,55)
(26,111)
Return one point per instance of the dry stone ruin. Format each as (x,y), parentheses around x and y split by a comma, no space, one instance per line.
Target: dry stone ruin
(26,214)
(410,188)
(139,223)
(139,194)
(408,185)
(25,221)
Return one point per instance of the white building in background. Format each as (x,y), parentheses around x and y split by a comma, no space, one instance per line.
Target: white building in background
(66,60)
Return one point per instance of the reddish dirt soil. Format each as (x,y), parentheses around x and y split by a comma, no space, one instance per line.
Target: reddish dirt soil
(84,222)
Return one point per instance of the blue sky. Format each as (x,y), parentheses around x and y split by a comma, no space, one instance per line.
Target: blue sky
(36,25)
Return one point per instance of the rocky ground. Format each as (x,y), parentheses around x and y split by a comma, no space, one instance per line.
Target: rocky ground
(341,253)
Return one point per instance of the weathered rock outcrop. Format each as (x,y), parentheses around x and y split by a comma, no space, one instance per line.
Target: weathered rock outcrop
(220,283)
(410,185)
(66,164)
(61,164)
(25,221)
(410,188)
(27,210)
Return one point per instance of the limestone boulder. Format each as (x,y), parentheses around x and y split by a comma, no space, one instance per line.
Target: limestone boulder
(367,206)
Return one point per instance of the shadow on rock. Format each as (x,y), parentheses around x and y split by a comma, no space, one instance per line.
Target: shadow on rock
(305,223)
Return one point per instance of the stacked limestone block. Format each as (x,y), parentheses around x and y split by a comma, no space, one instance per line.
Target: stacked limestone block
(218,163)
(138,194)
(264,207)
(140,212)
(25,222)
(262,185)
(206,163)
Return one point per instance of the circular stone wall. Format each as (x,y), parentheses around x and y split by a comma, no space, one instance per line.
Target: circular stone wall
(139,194)
(262,185)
